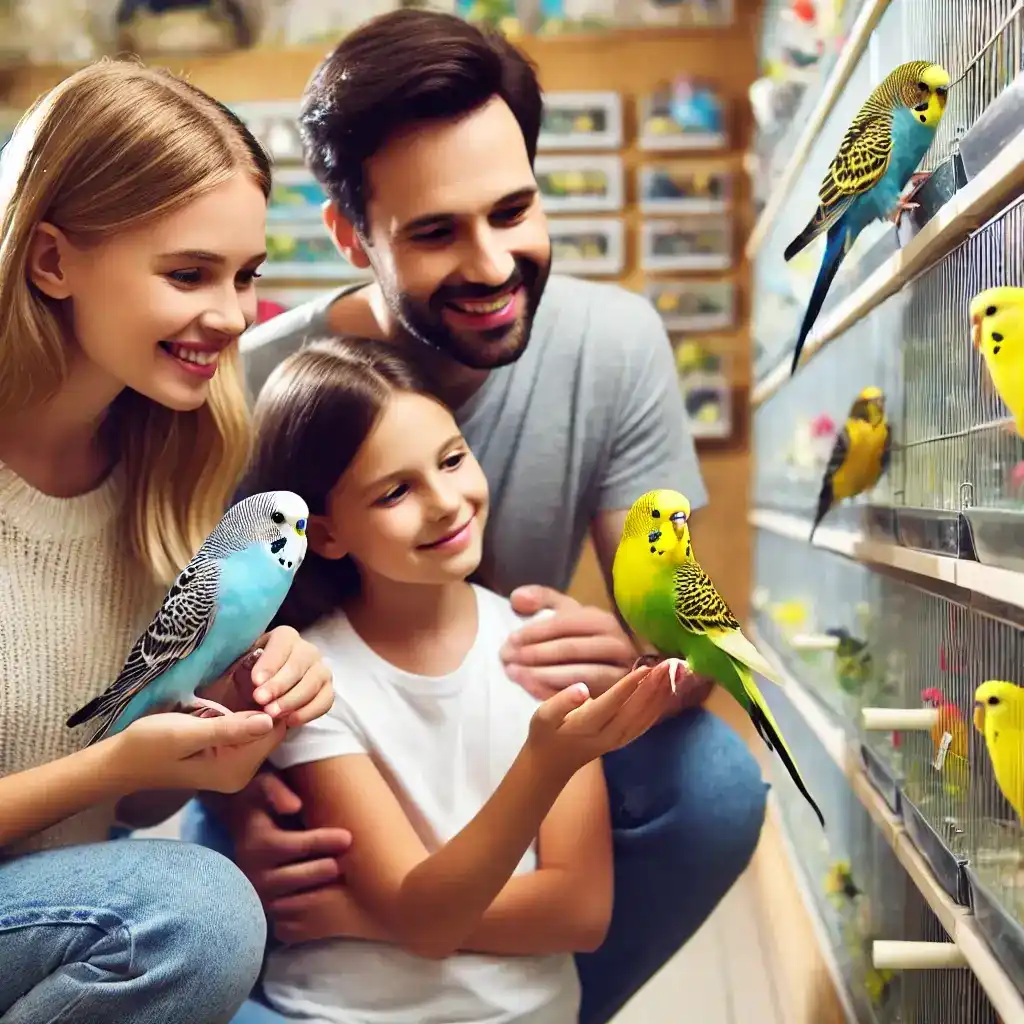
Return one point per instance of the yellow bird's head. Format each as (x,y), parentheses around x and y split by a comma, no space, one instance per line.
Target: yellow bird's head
(925,91)
(869,405)
(659,520)
(998,707)
(996,315)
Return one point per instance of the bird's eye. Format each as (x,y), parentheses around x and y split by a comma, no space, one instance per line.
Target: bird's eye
(993,701)
(278,517)
(922,86)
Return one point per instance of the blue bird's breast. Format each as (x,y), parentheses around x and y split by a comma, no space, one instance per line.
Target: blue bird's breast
(910,142)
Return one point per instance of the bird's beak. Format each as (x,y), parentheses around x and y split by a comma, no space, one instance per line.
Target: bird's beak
(678,521)
(979,718)
(976,330)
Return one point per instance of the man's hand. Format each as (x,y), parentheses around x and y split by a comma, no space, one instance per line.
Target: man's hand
(577,643)
(280,862)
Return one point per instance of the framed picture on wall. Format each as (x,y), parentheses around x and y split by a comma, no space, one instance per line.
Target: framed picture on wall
(674,187)
(686,243)
(587,246)
(299,252)
(581,120)
(708,402)
(295,196)
(694,305)
(683,114)
(580,184)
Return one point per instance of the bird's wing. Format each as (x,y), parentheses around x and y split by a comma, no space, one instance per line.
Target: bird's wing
(887,448)
(862,160)
(701,609)
(840,452)
(177,629)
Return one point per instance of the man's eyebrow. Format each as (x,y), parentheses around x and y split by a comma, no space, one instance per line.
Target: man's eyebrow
(430,219)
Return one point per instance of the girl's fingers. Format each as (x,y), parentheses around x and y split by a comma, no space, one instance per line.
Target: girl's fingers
(277,649)
(302,658)
(558,707)
(321,702)
(599,712)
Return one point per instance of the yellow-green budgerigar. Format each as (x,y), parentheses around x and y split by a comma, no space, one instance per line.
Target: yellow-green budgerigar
(859,456)
(668,600)
(999,717)
(878,156)
(997,330)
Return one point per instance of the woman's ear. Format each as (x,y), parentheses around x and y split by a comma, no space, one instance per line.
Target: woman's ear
(322,540)
(47,261)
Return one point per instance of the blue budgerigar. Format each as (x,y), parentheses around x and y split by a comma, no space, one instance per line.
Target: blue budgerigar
(877,158)
(217,608)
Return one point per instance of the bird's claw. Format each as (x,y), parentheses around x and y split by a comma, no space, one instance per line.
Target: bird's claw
(647,660)
(203,707)
(674,665)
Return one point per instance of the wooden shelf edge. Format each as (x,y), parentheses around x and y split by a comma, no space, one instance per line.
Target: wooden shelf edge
(958,921)
(1003,585)
(979,200)
(869,16)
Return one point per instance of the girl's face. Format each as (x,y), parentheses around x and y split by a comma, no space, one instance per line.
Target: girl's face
(412,505)
(152,307)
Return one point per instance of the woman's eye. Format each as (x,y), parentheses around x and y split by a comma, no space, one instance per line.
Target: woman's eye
(454,460)
(394,495)
(246,277)
(190,277)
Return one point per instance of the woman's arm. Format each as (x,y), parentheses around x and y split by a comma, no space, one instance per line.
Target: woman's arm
(33,800)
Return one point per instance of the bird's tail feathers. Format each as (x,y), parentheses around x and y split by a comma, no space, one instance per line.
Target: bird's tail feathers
(768,729)
(835,252)
(84,713)
(824,504)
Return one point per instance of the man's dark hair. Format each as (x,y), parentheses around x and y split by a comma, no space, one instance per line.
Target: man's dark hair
(398,69)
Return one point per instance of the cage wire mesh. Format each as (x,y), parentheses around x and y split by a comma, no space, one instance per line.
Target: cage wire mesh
(794,430)
(995,840)
(979,44)
(805,592)
(921,643)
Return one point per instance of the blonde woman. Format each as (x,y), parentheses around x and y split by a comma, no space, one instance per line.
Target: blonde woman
(132,212)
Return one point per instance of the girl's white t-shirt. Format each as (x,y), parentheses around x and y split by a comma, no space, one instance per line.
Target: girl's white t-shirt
(443,744)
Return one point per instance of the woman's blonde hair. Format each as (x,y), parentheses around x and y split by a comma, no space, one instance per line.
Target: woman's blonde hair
(110,147)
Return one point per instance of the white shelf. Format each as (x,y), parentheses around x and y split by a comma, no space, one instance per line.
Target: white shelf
(999,584)
(956,920)
(979,200)
(868,18)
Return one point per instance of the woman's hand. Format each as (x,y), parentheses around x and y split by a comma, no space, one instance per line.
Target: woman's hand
(175,751)
(283,675)
(330,912)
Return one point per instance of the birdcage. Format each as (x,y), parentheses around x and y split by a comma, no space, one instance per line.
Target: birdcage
(922,642)
(994,836)
(983,54)
(794,430)
(816,613)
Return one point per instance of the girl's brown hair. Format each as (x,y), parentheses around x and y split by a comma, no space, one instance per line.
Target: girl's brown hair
(112,146)
(312,416)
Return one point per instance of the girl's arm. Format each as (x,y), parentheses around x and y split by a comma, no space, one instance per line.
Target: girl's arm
(565,906)
(428,903)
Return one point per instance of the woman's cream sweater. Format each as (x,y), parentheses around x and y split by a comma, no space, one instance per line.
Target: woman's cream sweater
(72,602)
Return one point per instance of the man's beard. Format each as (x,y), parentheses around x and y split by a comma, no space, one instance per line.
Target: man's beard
(478,350)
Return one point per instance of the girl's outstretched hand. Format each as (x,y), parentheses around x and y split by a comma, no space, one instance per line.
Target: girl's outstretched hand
(176,751)
(571,729)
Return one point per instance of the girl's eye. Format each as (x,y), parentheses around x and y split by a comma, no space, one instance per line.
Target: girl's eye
(454,460)
(393,496)
(247,277)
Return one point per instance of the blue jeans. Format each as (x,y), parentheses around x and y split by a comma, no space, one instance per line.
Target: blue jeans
(687,804)
(147,931)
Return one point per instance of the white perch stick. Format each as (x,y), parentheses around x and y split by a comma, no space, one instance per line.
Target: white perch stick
(899,719)
(916,956)
(814,642)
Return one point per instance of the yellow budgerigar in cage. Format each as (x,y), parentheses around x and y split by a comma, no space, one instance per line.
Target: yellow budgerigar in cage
(860,455)
(997,330)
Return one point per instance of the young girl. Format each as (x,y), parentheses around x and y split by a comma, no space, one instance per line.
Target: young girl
(482,852)
(132,214)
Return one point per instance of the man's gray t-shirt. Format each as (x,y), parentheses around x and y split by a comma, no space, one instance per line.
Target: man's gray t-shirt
(587,419)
